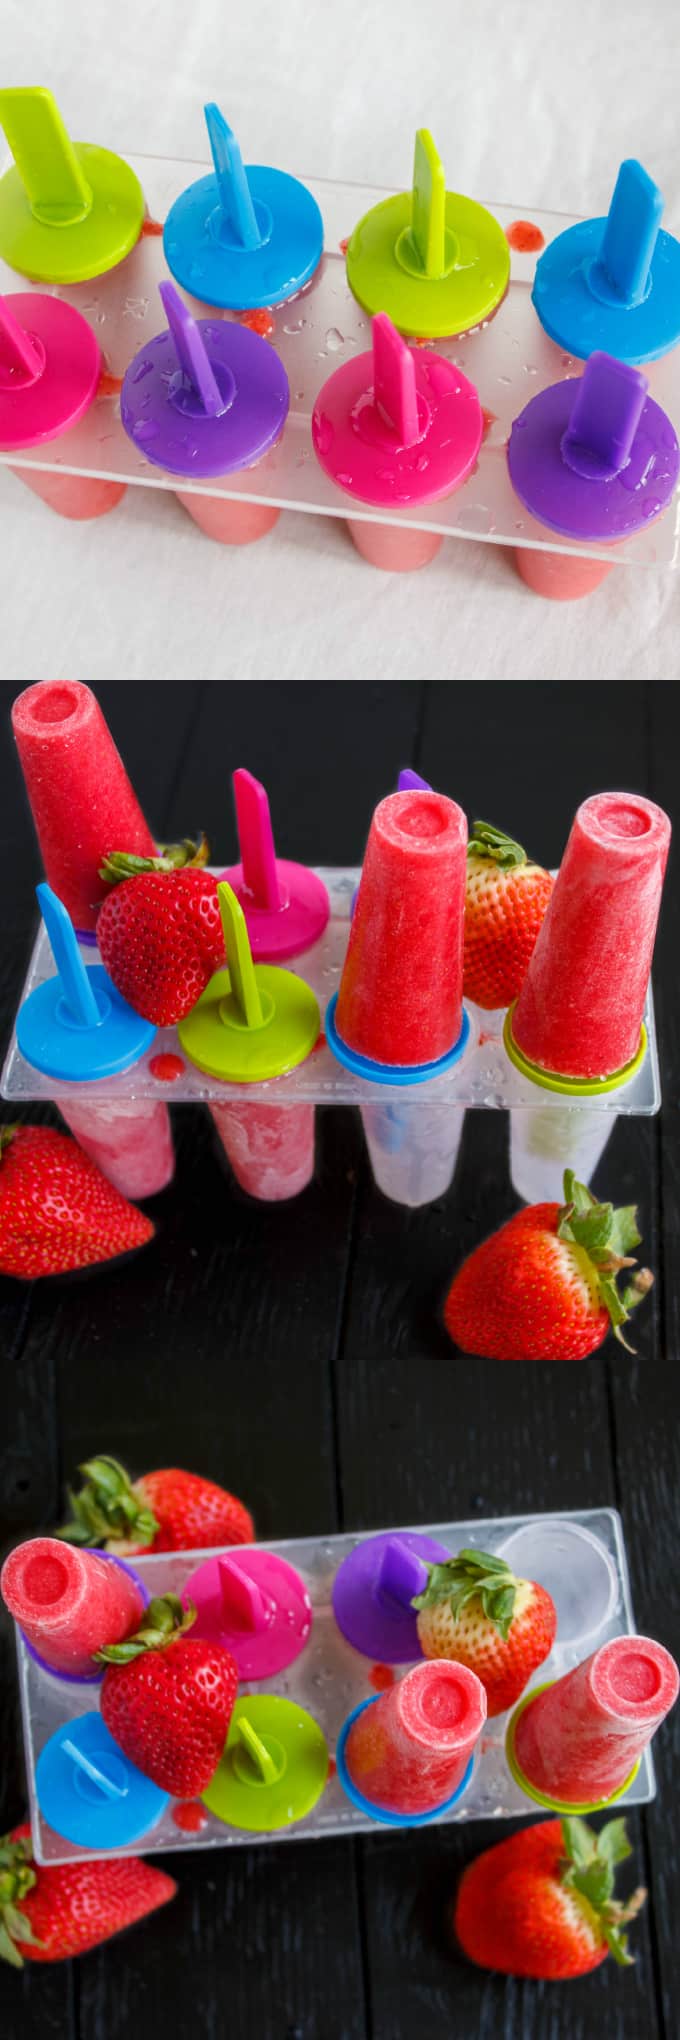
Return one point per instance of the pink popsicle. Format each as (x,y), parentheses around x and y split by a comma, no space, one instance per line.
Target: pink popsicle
(410,1749)
(579,1740)
(270,1147)
(68,1602)
(131,1142)
(580,1009)
(76,496)
(82,801)
(226,519)
(401,991)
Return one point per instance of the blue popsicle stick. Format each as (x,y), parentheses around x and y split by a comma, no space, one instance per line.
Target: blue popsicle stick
(74,978)
(232,183)
(630,234)
(94,1772)
(192,354)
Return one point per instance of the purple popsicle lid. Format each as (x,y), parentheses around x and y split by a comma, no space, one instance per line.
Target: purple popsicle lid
(594,457)
(206,396)
(373,1590)
(397,426)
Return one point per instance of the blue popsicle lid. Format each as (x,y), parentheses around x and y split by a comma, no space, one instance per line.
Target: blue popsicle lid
(242,238)
(613,284)
(76,1026)
(90,1792)
(205,396)
(399,1074)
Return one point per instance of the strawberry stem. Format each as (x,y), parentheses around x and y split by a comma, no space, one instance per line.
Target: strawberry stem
(589,1869)
(486,841)
(17,1878)
(472,1576)
(606,1235)
(185,856)
(165,1619)
(6,1135)
(107,1508)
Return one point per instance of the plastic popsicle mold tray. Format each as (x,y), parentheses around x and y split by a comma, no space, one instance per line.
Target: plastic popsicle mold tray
(509,359)
(484,1076)
(581,1558)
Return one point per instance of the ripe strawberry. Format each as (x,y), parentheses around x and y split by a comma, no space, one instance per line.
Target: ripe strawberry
(168,1510)
(57,1210)
(542,1904)
(167,1698)
(476,1612)
(505,900)
(545,1286)
(49,1914)
(159,932)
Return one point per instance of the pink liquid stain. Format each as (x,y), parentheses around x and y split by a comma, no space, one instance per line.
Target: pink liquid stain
(524,237)
(190,1816)
(167,1068)
(382,1677)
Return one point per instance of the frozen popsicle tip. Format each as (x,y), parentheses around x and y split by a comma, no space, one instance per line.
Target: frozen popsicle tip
(242,1602)
(68,211)
(196,388)
(622,272)
(401,1573)
(236,218)
(605,415)
(22,359)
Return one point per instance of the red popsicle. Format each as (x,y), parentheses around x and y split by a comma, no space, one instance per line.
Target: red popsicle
(578,1741)
(68,1603)
(82,801)
(580,1009)
(409,1750)
(401,991)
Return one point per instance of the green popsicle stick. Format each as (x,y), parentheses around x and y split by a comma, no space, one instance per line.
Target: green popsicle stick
(53,179)
(68,210)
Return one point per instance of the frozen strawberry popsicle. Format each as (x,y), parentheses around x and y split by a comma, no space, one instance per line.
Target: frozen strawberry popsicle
(579,1012)
(400,1001)
(50,368)
(269,1147)
(596,460)
(398,429)
(207,398)
(81,799)
(408,1751)
(68,1603)
(576,1743)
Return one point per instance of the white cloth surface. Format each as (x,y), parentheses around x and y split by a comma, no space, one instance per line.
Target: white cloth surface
(530,103)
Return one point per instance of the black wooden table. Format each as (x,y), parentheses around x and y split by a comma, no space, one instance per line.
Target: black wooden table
(295,1354)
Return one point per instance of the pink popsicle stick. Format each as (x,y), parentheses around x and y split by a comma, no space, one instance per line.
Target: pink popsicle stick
(256,842)
(243,1604)
(18,356)
(394,380)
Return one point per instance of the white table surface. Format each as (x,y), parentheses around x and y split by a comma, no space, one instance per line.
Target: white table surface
(529,102)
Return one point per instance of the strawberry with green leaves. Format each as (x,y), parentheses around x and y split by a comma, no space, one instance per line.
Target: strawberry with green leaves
(505,900)
(159,931)
(546,1285)
(167,1698)
(542,1904)
(476,1612)
(49,1913)
(57,1211)
(168,1510)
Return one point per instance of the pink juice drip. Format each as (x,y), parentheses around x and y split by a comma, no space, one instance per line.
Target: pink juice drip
(401,991)
(68,1602)
(410,1749)
(580,1008)
(579,1740)
(270,1147)
(82,801)
(131,1142)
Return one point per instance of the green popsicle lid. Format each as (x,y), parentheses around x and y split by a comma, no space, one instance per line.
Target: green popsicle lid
(436,262)
(571,1087)
(274,1766)
(253,1021)
(68,210)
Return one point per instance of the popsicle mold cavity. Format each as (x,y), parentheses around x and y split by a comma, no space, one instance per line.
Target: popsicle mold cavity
(68,210)
(242,237)
(593,457)
(270,1148)
(574,1567)
(68,1603)
(407,1752)
(437,263)
(130,1141)
(81,799)
(204,397)
(256,1605)
(413,1147)
(579,1012)
(400,996)
(577,1743)
(614,283)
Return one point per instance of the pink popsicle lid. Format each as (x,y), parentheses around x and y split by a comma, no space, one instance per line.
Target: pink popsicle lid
(286,906)
(50,366)
(256,1605)
(397,426)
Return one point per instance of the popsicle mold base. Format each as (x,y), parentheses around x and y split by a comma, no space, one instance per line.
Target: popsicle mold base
(555,1805)
(484,1077)
(507,357)
(329,1679)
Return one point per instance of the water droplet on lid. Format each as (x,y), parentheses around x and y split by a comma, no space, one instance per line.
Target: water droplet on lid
(144,368)
(334,340)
